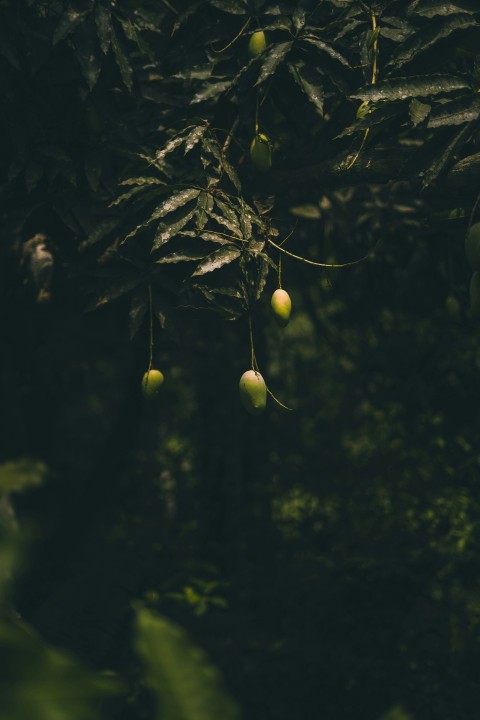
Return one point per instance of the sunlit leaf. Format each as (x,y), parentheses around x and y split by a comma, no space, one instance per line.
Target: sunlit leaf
(455,112)
(408,87)
(19,474)
(217,259)
(185,685)
(272,59)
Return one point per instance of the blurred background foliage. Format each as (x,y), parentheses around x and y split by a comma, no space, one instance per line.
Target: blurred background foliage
(326,559)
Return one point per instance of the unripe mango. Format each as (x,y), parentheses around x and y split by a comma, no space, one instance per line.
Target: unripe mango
(151,382)
(281,306)
(253,392)
(257,43)
(261,152)
(472,246)
(475,295)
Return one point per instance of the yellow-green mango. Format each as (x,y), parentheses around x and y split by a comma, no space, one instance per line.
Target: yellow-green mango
(253,392)
(257,43)
(281,306)
(261,152)
(151,382)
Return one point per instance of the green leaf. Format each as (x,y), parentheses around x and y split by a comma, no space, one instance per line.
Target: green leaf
(408,87)
(171,145)
(142,181)
(166,232)
(216,238)
(174,202)
(211,90)
(185,685)
(311,83)
(418,111)
(19,474)
(101,230)
(204,206)
(456,112)
(104,28)
(272,59)
(217,259)
(122,61)
(182,256)
(116,289)
(68,22)
(87,54)
(431,8)
(441,160)
(233,7)
(325,47)
(421,41)
(194,137)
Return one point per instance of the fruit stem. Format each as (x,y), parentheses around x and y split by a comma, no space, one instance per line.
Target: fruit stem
(150,311)
(319,264)
(239,35)
(252,349)
(372,82)
(279,270)
(285,407)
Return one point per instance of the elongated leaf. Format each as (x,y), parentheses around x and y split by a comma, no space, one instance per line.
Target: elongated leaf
(234,227)
(216,238)
(165,232)
(68,22)
(100,231)
(421,41)
(171,145)
(272,60)
(446,154)
(325,47)
(133,193)
(104,27)
(211,90)
(174,202)
(233,7)
(418,111)
(204,206)
(228,214)
(87,54)
(194,137)
(431,8)
(142,181)
(185,685)
(116,289)
(122,61)
(216,260)
(456,112)
(408,87)
(311,83)
(182,256)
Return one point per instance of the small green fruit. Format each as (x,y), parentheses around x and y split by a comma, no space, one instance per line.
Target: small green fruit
(472,246)
(475,295)
(261,152)
(253,392)
(151,382)
(281,306)
(257,43)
